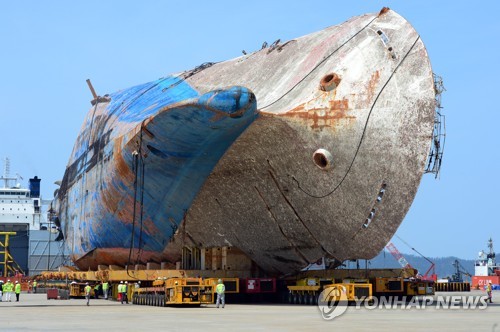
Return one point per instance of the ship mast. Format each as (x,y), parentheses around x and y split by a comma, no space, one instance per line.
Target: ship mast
(6,174)
(491,254)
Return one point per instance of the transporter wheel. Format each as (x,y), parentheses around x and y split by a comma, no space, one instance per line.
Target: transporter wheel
(315,298)
(295,298)
(290,298)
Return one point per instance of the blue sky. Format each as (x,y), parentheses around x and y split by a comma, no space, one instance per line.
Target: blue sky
(49,49)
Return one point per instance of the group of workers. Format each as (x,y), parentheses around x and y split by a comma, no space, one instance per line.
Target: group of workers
(220,289)
(97,288)
(8,288)
(122,291)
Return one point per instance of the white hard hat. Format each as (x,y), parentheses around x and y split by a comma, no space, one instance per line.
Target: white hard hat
(121,282)
(18,282)
(8,280)
(126,282)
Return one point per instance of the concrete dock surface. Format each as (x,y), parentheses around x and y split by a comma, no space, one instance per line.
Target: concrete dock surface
(35,313)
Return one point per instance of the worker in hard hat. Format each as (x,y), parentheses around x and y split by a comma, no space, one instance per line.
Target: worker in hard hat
(489,289)
(17,290)
(220,289)
(87,292)
(34,286)
(8,288)
(1,290)
(97,289)
(124,292)
(119,289)
(105,288)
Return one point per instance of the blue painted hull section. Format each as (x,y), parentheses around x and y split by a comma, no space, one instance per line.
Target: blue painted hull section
(141,161)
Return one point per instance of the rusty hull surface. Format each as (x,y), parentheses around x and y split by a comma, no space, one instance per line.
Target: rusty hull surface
(363,92)
(267,197)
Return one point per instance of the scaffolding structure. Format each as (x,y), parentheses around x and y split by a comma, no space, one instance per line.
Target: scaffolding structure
(8,265)
(435,158)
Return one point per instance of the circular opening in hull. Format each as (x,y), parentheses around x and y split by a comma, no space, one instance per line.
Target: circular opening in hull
(323,159)
(329,82)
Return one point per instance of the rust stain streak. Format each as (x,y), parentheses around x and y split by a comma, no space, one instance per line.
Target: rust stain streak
(372,84)
(113,198)
(333,114)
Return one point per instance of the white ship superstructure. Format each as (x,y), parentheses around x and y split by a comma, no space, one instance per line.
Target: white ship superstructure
(18,206)
(34,247)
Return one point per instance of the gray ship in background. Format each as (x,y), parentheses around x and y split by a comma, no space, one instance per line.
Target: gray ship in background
(37,244)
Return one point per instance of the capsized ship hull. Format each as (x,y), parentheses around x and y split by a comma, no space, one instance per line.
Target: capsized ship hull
(316,149)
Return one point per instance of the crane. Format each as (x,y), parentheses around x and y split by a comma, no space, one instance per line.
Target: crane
(432,269)
(459,272)
(399,257)
(430,274)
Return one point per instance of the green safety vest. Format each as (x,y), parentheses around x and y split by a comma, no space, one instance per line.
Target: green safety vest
(105,286)
(220,289)
(34,283)
(18,288)
(8,287)
(87,290)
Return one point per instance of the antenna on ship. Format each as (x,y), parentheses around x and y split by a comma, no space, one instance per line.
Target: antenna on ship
(491,254)
(6,172)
